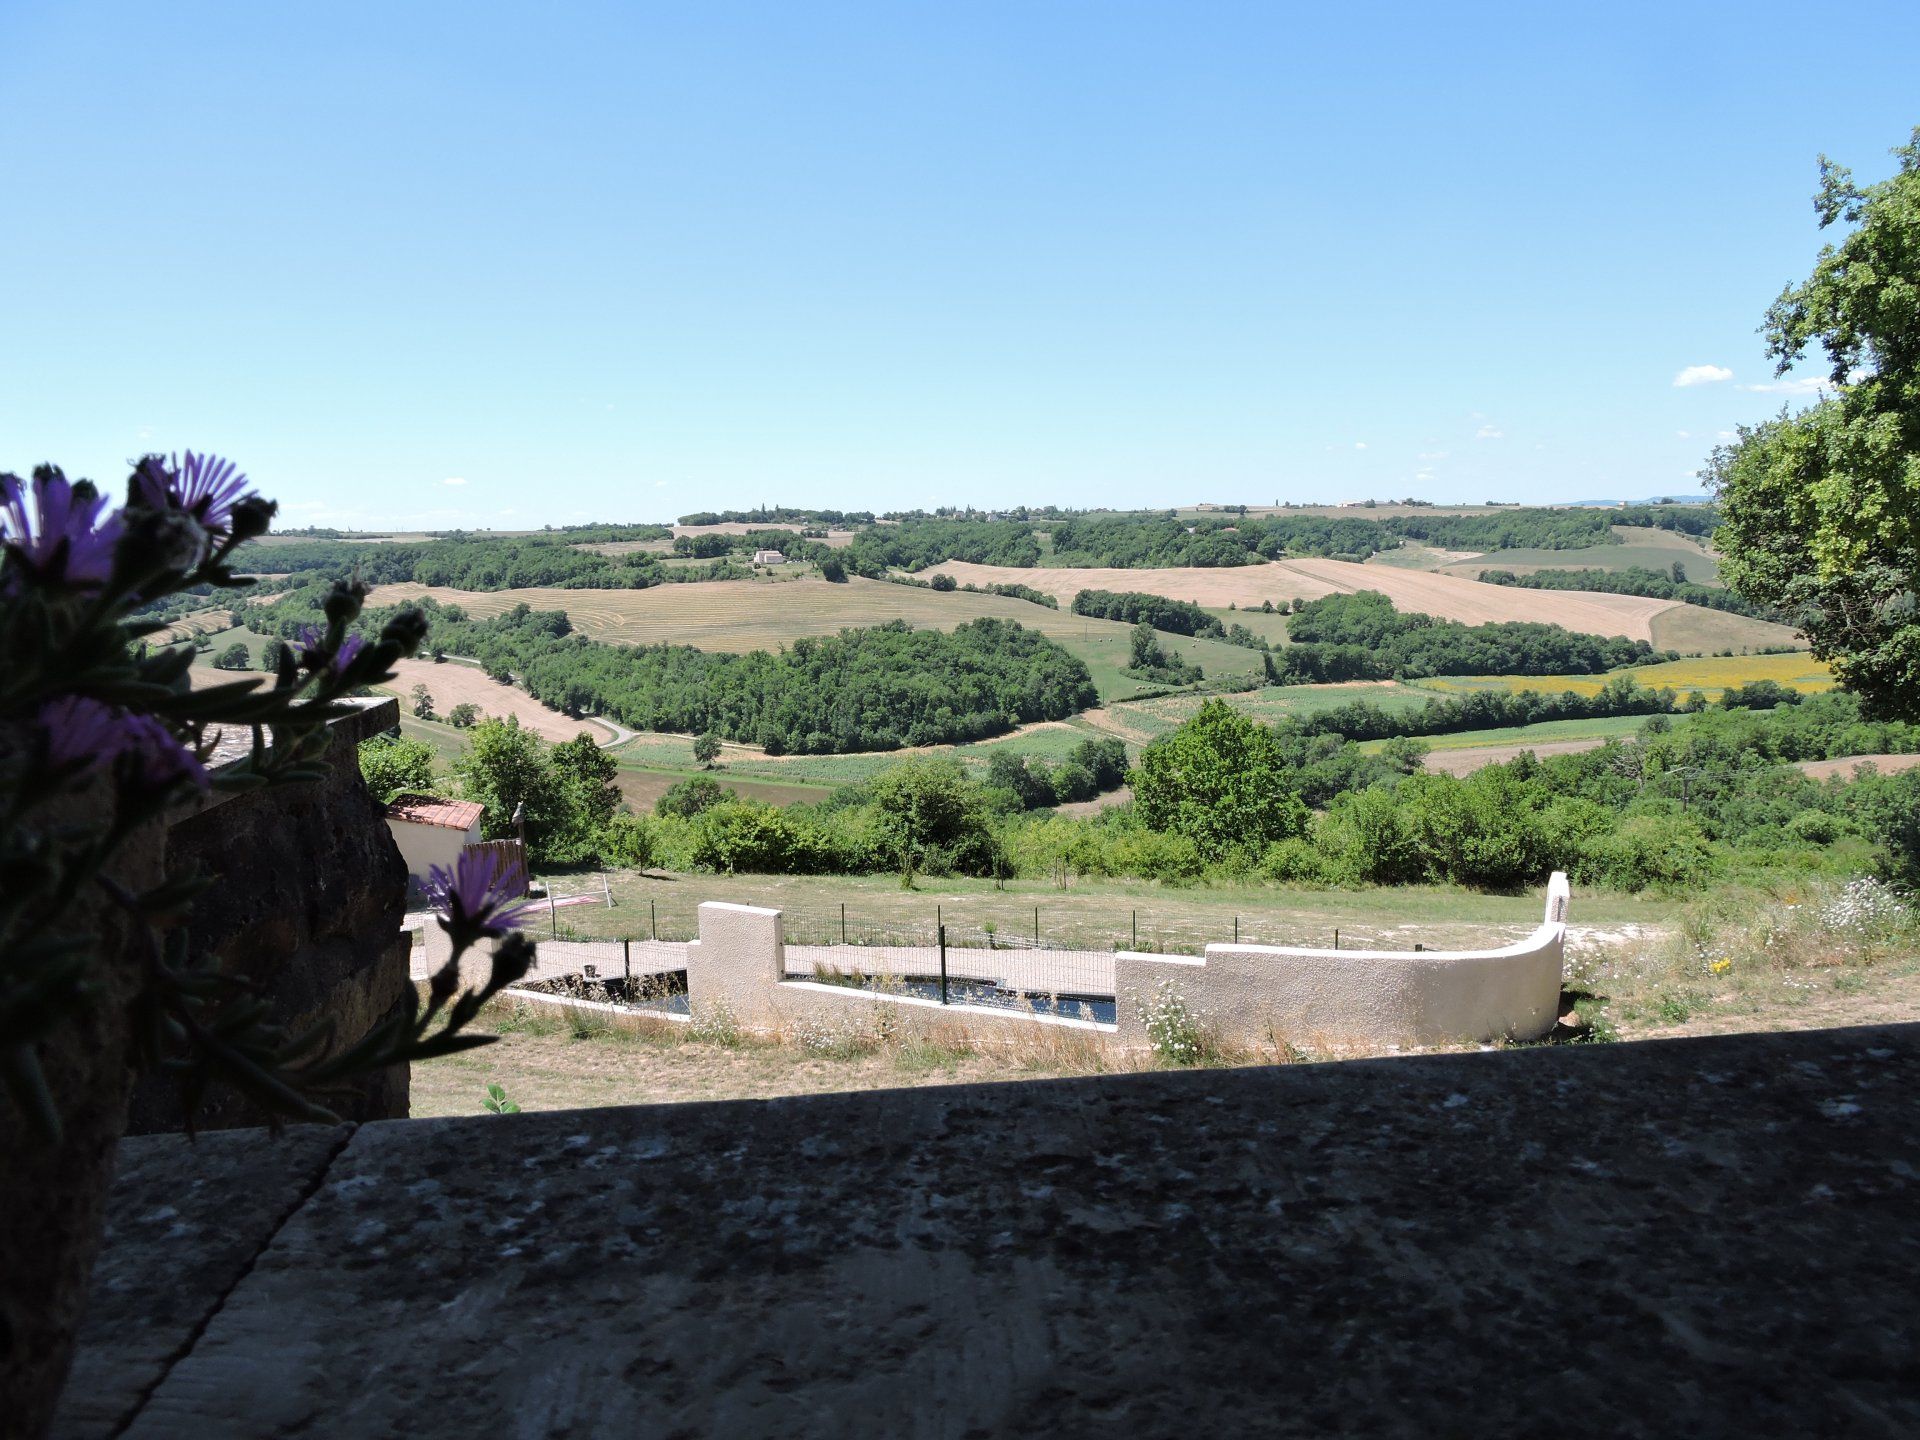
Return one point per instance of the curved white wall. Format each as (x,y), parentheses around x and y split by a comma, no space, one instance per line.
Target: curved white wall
(1257,995)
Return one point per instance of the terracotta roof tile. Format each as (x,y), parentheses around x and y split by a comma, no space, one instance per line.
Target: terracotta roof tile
(430,810)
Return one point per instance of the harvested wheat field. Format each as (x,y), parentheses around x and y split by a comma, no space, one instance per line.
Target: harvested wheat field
(1447,596)
(1697,630)
(1844,765)
(743,615)
(453,683)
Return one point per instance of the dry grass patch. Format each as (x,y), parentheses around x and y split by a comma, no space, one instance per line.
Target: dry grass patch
(452,683)
(1247,586)
(1796,957)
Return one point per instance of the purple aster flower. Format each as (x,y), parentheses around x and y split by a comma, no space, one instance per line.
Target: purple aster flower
(82,735)
(64,537)
(475,899)
(313,644)
(161,759)
(203,486)
(85,735)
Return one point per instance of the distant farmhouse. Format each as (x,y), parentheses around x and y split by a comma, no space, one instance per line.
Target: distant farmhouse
(769,557)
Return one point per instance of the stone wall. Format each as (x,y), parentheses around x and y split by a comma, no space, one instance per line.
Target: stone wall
(309,890)
(1703,1238)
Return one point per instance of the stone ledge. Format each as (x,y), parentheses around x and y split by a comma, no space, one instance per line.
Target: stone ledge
(1702,1237)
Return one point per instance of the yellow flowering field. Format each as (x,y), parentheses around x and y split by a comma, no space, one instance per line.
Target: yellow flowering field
(1707,673)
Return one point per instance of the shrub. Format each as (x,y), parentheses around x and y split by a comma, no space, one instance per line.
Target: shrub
(1648,851)
(626,841)
(688,798)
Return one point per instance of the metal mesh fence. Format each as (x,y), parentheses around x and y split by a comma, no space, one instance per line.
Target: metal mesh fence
(1048,962)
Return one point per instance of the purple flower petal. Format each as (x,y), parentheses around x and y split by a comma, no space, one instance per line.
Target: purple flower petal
(64,537)
(475,898)
(82,734)
(87,735)
(203,486)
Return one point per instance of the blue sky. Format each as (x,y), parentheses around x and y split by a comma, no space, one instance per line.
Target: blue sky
(428,265)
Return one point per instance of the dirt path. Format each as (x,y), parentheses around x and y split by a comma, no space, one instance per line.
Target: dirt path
(1843,765)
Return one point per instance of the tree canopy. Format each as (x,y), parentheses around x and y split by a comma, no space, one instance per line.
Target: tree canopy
(1822,507)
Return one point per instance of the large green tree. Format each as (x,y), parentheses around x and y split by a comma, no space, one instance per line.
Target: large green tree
(1822,507)
(505,767)
(1221,781)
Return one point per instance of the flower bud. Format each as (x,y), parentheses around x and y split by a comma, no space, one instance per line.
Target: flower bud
(512,958)
(405,630)
(252,516)
(343,601)
(161,541)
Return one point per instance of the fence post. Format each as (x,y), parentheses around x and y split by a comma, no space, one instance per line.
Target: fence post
(553,913)
(1136,930)
(1236,929)
(626,959)
(1036,924)
(943,964)
(607,889)
(843,922)
(1336,937)
(939,920)
(653,921)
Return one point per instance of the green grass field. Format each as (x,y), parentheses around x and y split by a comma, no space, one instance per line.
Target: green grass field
(223,639)
(1604,728)
(1142,720)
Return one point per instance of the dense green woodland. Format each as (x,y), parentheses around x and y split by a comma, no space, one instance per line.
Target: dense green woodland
(1363,637)
(872,689)
(1177,617)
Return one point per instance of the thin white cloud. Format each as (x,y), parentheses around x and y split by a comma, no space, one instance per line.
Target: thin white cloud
(454,480)
(1701,375)
(1489,432)
(1359,444)
(1432,455)
(1792,385)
